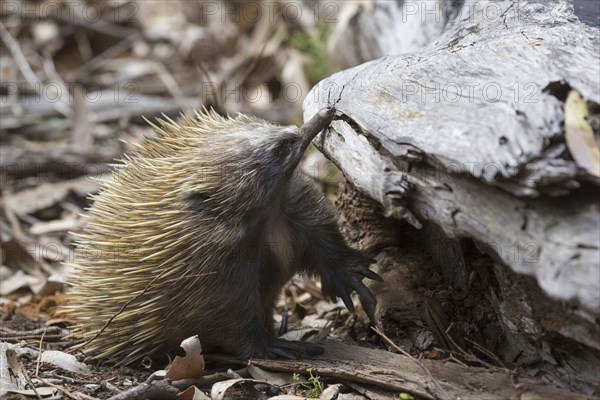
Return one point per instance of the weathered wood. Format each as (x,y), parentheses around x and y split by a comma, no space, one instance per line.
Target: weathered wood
(396,372)
(358,36)
(461,159)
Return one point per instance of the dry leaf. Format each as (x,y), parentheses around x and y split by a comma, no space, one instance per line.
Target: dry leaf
(44,32)
(579,134)
(237,389)
(331,392)
(65,361)
(70,223)
(6,380)
(15,366)
(22,256)
(17,281)
(50,249)
(273,378)
(297,335)
(190,366)
(46,195)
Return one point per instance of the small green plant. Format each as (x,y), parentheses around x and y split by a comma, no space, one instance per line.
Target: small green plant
(315,46)
(313,388)
(405,396)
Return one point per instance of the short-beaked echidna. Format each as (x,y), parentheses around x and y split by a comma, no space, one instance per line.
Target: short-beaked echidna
(197,233)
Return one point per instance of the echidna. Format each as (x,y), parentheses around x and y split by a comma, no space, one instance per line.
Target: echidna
(197,233)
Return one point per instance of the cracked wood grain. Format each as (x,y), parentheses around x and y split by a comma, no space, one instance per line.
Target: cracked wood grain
(469,131)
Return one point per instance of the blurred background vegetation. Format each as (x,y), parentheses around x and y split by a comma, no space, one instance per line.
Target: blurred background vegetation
(79,77)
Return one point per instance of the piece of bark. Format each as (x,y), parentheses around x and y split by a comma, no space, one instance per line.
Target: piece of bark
(395,372)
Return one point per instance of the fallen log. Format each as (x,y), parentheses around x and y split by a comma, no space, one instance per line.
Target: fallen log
(471,139)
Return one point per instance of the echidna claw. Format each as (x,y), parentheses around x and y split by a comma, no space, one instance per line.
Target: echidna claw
(367,273)
(344,281)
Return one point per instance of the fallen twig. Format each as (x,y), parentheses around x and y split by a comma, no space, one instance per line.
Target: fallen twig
(419,363)
(27,72)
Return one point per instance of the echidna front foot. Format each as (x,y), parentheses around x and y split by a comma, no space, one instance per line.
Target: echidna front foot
(341,282)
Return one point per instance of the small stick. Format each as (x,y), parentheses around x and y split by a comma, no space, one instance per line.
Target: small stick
(123,307)
(39,359)
(25,68)
(418,362)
